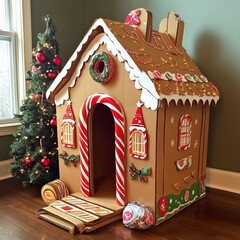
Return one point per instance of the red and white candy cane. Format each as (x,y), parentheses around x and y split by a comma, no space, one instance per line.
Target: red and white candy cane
(118,116)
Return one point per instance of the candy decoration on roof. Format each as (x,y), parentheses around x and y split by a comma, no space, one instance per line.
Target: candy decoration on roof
(68,128)
(138,135)
(133,18)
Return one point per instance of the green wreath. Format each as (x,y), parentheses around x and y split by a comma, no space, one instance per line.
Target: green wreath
(102,67)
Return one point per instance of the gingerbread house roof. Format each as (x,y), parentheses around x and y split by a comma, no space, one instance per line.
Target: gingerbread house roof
(160,66)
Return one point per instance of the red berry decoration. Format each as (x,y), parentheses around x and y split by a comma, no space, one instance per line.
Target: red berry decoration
(40,57)
(28,161)
(52,75)
(45,162)
(57,61)
(53,122)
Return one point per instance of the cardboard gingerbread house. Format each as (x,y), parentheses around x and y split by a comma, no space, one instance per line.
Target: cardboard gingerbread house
(133,108)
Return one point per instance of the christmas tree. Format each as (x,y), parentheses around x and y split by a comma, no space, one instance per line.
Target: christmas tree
(34,149)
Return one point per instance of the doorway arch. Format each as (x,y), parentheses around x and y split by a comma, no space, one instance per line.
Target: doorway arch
(118,117)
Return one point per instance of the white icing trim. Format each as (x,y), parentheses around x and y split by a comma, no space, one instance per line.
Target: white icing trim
(68,121)
(143,129)
(184,98)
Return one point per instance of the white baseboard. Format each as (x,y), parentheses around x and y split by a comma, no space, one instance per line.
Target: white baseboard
(4,169)
(224,180)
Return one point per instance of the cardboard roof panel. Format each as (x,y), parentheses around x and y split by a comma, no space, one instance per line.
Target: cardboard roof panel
(160,68)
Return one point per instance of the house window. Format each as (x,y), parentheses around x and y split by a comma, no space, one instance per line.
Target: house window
(138,143)
(15,52)
(185,131)
(67,133)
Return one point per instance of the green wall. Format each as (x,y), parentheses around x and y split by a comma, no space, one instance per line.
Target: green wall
(67,16)
(211,37)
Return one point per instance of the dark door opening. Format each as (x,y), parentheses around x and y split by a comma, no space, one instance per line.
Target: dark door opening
(101,151)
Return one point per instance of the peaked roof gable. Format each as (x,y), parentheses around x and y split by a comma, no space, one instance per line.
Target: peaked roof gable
(159,68)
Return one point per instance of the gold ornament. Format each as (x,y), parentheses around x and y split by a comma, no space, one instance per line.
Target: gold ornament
(35,97)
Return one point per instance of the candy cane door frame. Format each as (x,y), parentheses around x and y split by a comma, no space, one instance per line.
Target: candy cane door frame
(118,117)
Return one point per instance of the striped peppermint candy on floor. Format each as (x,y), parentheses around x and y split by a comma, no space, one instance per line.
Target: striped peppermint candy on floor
(118,116)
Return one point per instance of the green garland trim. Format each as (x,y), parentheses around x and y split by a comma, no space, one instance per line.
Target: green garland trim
(177,202)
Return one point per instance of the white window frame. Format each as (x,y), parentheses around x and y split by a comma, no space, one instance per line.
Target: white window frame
(20,11)
(138,146)
(67,133)
(185,132)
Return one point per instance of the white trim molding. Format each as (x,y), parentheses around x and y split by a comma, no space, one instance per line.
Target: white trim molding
(9,128)
(21,24)
(223,180)
(4,169)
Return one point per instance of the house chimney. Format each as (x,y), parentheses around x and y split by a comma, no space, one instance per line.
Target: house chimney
(142,19)
(174,26)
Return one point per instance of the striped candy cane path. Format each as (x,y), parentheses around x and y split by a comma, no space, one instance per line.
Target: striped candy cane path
(118,116)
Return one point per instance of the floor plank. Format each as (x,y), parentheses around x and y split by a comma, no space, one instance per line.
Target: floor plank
(217,216)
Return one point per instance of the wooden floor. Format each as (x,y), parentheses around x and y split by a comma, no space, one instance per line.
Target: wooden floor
(217,216)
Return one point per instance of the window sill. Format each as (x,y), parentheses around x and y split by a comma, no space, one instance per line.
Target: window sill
(8,128)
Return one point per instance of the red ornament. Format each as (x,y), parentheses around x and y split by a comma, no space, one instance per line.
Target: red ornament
(28,161)
(52,75)
(57,61)
(53,122)
(45,162)
(40,57)
(34,69)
